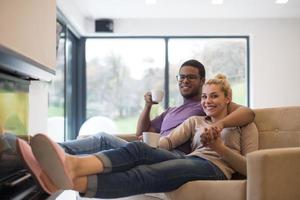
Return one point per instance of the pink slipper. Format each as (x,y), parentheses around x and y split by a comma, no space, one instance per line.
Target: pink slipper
(25,152)
(51,158)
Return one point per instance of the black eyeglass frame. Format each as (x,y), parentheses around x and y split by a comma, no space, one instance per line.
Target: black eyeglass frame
(189,77)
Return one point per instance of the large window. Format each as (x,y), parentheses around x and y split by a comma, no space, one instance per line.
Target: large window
(118,74)
(119,71)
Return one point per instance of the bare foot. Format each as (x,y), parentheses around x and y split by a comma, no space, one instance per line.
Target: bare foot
(79,166)
(71,163)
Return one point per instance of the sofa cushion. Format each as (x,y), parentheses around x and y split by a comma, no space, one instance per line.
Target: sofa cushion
(277,127)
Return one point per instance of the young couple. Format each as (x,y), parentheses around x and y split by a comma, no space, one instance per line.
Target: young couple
(135,168)
(191,78)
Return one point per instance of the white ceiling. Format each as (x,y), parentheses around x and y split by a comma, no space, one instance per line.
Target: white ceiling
(78,11)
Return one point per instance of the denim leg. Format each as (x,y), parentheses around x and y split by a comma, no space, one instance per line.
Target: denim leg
(159,177)
(133,154)
(92,144)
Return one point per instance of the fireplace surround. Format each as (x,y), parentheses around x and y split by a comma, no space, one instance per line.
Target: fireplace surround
(16,74)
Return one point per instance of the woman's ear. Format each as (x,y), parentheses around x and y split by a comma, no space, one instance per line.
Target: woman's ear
(227,100)
(229,97)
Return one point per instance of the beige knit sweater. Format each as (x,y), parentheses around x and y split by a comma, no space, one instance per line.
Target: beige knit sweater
(239,141)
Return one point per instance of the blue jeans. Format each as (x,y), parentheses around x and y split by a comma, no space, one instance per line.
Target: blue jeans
(137,168)
(96,143)
(93,144)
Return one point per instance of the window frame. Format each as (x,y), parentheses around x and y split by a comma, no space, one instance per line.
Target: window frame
(73,76)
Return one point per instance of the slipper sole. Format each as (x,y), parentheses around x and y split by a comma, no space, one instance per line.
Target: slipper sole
(51,158)
(26,155)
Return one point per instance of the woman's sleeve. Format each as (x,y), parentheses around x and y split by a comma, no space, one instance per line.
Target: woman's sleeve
(249,143)
(180,134)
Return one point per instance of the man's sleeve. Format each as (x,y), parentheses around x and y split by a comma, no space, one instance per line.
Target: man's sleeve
(157,121)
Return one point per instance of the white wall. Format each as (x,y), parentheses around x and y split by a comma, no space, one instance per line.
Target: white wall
(28,28)
(274,50)
(38,107)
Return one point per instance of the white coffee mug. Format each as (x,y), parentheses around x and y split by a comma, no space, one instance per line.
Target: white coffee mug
(157,95)
(151,138)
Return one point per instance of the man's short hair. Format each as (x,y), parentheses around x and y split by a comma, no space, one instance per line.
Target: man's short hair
(196,64)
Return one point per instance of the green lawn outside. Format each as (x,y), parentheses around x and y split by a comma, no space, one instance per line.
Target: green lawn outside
(126,125)
(55,111)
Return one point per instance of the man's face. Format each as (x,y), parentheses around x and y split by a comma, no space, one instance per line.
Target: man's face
(190,82)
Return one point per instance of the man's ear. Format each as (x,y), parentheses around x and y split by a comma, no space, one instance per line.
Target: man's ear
(202,81)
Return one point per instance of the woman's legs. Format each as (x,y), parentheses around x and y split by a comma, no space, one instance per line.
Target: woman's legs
(159,177)
(64,169)
(133,154)
(120,159)
(135,169)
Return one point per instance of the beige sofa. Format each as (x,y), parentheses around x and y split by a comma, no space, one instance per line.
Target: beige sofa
(273,172)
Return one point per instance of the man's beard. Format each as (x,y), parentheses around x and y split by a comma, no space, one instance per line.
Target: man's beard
(190,95)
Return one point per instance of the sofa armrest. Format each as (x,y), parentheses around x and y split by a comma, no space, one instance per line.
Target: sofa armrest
(273,174)
(128,136)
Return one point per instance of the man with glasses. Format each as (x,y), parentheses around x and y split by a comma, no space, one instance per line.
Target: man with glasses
(191,77)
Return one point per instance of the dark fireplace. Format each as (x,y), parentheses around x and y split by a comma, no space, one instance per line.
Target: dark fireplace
(16,72)
(15,181)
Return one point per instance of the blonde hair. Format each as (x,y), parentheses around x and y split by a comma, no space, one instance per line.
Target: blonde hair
(221,80)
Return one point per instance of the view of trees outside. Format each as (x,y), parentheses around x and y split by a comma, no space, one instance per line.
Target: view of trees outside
(219,55)
(118,73)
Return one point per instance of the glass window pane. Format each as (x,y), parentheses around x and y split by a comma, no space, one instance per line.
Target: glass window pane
(119,72)
(219,55)
(56,125)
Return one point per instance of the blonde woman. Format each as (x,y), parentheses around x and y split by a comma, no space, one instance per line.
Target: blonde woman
(137,168)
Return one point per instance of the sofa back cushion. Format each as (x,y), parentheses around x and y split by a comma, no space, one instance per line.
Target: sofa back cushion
(278,127)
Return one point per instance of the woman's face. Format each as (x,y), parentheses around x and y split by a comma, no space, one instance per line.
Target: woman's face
(214,101)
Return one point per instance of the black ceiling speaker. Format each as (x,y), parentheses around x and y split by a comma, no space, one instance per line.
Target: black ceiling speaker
(104,25)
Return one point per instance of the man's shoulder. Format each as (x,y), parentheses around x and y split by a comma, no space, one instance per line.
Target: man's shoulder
(186,111)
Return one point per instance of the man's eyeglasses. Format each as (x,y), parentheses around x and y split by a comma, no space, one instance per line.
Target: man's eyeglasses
(189,77)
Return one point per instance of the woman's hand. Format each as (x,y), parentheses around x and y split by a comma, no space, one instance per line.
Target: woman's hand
(209,134)
(211,137)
